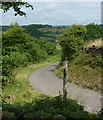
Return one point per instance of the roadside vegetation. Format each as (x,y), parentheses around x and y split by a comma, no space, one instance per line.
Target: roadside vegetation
(21,96)
(21,49)
(84,68)
(20,92)
(26,49)
(84,71)
(23,54)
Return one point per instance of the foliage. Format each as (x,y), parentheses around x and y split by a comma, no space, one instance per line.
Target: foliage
(16,7)
(6,68)
(15,59)
(84,68)
(47,107)
(20,49)
(43,32)
(36,53)
(94,31)
(15,35)
(84,71)
(71,41)
(33,29)
(89,59)
(89,71)
(47,46)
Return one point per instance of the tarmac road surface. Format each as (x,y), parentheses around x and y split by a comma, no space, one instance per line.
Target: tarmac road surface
(45,81)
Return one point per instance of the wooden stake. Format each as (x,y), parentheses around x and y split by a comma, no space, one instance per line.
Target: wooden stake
(65,74)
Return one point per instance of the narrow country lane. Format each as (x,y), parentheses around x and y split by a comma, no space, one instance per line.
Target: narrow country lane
(45,81)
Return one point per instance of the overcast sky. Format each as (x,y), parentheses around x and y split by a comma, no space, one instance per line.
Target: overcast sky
(57,13)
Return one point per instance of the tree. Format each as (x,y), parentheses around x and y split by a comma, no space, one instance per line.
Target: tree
(33,30)
(15,35)
(16,7)
(94,31)
(47,46)
(19,49)
(71,41)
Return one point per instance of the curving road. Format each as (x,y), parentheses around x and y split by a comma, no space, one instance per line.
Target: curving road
(45,81)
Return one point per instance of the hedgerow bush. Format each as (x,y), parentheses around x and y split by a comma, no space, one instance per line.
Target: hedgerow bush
(18,59)
(20,49)
(15,59)
(89,59)
(47,46)
(35,52)
(6,68)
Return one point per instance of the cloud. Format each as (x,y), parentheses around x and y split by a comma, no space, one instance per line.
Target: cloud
(57,13)
(89,5)
(52,6)
(63,0)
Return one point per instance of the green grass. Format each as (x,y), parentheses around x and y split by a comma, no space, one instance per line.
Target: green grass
(21,96)
(84,71)
(20,88)
(20,91)
(58,47)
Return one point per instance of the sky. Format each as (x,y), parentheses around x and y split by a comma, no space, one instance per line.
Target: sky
(57,13)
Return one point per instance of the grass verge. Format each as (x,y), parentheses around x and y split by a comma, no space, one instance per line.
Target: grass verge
(84,71)
(20,88)
(21,96)
(21,91)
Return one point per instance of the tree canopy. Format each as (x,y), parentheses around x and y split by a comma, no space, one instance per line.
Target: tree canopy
(21,49)
(94,31)
(71,40)
(15,35)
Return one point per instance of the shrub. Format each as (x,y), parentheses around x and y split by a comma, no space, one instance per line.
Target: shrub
(47,46)
(6,68)
(71,41)
(18,59)
(15,59)
(36,53)
(89,59)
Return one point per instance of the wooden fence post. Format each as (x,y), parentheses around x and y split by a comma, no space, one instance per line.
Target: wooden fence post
(65,75)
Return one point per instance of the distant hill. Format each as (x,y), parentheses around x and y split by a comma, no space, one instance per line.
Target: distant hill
(35,26)
(45,32)
(4,28)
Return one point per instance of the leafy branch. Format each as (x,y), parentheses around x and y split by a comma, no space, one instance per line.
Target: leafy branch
(16,6)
